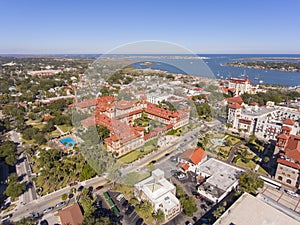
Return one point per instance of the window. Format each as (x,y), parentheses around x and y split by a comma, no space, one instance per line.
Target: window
(279,177)
(288,181)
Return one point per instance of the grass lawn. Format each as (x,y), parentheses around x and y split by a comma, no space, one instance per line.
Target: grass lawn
(225,150)
(135,154)
(39,126)
(127,190)
(250,164)
(262,171)
(29,121)
(233,140)
(65,128)
(135,177)
(54,134)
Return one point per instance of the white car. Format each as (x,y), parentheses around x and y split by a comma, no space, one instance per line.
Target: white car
(181,176)
(292,193)
(48,210)
(5,218)
(60,204)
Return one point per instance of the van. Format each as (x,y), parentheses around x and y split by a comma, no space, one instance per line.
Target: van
(120,197)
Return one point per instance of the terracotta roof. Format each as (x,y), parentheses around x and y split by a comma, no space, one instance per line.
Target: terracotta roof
(139,128)
(283,136)
(47,117)
(239,81)
(288,163)
(289,122)
(235,106)
(122,105)
(193,155)
(237,99)
(71,215)
(90,121)
(87,103)
(292,148)
(163,113)
(245,121)
(184,166)
(286,128)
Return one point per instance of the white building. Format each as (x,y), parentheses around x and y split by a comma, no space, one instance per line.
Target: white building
(241,86)
(221,179)
(191,159)
(264,122)
(250,210)
(160,193)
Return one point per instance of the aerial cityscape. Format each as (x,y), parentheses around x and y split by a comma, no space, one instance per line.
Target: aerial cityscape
(150,113)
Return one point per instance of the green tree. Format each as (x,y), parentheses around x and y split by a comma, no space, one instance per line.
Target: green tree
(250,182)
(14,188)
(64,197)
(159,216)
(145,209)
(25,221)
(103,132)
(218,212)
(87,204)
(188,202)
(90,220)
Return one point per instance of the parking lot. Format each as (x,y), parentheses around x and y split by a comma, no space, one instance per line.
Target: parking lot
(188,183)
(129,215)
(282,197)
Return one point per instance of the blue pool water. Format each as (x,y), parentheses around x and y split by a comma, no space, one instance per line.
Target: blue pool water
(67,141)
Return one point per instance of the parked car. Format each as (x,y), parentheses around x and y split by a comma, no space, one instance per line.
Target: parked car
(80,188)
(44,222)
(139,221)
(48,210)
(60,204)
(5,218)
(181,176)
(99,187)
(292,193)
(120,197)
(129,210)
(35,215)
(125,204)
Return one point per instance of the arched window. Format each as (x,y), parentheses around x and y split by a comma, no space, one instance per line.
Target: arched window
(288,181)
(279,177)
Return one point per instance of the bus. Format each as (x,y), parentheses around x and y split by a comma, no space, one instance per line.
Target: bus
(271,182)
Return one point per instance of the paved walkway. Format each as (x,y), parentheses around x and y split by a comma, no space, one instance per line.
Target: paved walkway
(60,130)
(233,150)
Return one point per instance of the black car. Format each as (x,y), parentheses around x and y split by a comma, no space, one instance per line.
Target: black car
(129,210)
(44,222)
(139,221)
(80,188)
(125,204)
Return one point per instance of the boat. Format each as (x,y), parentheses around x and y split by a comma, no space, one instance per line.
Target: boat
(261,81)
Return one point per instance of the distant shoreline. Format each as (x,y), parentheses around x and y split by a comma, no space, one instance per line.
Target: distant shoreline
(269,58)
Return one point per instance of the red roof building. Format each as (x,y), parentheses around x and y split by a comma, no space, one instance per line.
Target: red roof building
(71,215)
(235,106)
(236,99)
(193,158)
(289,122)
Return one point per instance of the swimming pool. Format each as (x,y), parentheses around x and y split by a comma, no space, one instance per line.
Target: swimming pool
(68,142)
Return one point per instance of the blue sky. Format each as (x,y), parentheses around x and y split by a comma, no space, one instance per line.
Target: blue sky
(231,26)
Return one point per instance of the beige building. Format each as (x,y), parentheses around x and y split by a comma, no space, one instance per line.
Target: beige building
(160,193)
(250,210)
(241,86)
(288,157)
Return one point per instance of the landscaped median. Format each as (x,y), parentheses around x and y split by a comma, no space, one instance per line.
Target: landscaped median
(139,153)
